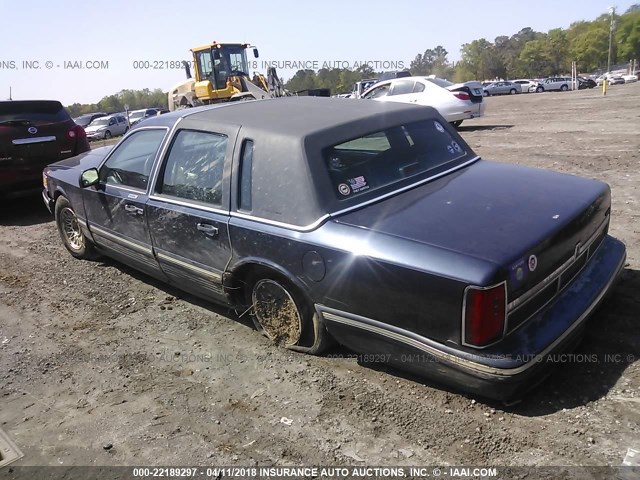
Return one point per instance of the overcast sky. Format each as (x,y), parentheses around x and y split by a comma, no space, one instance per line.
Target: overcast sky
(116,33)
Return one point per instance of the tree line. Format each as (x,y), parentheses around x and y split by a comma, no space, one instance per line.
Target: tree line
(135,99)
(527,54)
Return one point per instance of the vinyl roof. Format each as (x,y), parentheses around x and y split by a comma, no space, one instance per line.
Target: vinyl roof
(289,116)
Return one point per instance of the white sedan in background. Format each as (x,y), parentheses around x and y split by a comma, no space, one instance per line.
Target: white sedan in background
(454,105)
(526,84)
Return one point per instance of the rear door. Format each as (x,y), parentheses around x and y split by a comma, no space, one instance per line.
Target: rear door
(188,212)
(115,208)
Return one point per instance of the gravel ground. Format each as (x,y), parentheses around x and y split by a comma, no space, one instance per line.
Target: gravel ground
(101,365)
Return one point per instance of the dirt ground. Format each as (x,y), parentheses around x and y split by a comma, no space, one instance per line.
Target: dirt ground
(101,365)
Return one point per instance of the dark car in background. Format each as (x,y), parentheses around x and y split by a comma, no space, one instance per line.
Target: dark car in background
(33,134)
(372,223)
(584,83)
(86,119)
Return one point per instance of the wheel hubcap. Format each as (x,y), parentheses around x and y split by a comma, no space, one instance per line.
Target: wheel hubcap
(276,312)
(71,229)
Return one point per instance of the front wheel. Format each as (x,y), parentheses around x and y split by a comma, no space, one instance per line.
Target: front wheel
(70,231)
(284,316)
(107,135)
(539,89)
(485,94)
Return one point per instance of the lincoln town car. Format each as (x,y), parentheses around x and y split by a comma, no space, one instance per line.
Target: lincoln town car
(371,224)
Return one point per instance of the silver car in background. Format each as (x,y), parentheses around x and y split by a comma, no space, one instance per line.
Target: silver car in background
(502,88)
(107,127)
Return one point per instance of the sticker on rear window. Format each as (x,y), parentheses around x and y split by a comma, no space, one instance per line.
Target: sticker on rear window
(344,189)
(438,126)
(358,184)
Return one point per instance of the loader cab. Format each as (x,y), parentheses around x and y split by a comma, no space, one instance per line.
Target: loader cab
(217,62)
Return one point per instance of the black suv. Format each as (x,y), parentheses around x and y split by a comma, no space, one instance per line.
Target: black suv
(33,134)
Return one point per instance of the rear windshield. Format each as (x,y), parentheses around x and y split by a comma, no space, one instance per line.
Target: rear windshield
(385,157)
(35,111)
(100,121)
(441,82)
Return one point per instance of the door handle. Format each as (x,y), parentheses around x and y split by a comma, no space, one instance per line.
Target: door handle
(207,229)
(129,208)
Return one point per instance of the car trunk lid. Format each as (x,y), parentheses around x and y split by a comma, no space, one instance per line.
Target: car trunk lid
(527,222)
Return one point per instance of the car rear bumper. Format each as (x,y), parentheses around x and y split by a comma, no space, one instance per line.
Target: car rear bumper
(474,110)
(503,372)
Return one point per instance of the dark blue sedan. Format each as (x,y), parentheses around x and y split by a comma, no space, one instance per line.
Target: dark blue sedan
(370,223)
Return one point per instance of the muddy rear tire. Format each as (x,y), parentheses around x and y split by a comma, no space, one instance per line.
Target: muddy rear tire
(285,316)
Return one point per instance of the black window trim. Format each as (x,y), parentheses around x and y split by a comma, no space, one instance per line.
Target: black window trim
(155,162)
(243,147)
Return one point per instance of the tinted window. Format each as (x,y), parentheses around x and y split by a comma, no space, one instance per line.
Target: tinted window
(131,162)
(378,92)
(402,87)
(246,164)
(385,157)
(36,111)
(194,168)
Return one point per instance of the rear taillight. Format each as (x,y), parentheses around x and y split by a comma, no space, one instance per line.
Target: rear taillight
(76,132)
(462,95)
(484,315)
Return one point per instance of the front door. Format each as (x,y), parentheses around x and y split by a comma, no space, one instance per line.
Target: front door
(188,212)
(116,206)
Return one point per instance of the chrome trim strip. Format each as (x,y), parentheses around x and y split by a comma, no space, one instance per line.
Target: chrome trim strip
(323,218)
(153,176)
(139,191)
(197,206)
(421,343)
(275,223)
(214,275)
(464,314)
(27,141)
(526,296)
(115,238)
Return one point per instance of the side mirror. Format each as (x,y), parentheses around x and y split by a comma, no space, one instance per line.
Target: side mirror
(89,177)
(255,53)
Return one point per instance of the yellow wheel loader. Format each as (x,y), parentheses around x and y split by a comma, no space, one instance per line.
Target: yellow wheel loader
(222,75)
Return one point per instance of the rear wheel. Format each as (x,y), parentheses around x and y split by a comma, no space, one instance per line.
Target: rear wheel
(564,88)
(71,232)
(512,91)
(284,316)
(457,123)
